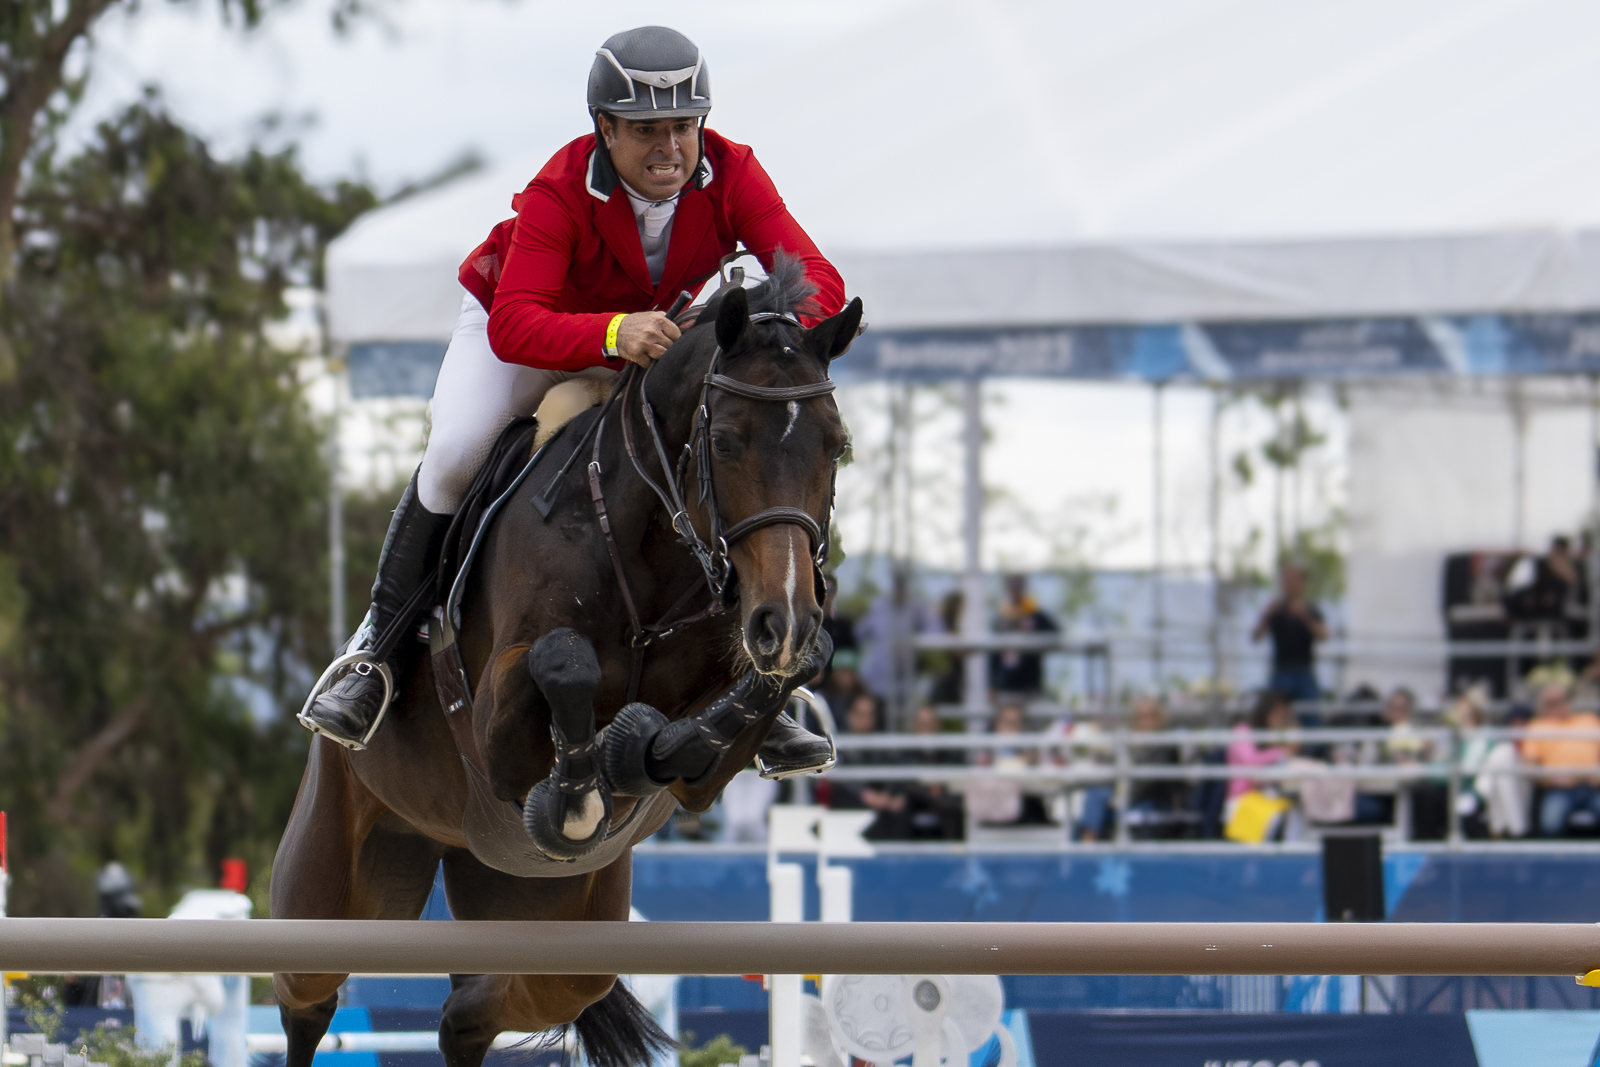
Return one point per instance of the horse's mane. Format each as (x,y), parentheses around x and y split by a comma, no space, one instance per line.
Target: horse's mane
(785,290)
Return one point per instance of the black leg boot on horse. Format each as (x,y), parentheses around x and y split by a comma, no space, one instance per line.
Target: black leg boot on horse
(568,812)
(350,710)
(644,753)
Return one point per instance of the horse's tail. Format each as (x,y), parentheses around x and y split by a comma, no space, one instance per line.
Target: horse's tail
(617,1031)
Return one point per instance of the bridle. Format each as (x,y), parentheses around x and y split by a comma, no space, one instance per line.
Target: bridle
(712,551)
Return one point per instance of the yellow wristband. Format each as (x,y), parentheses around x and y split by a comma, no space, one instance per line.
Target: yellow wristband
(611,335)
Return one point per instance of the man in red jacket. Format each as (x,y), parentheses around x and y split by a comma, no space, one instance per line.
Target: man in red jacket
(605,237)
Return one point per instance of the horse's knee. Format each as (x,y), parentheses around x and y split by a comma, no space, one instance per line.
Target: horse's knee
(567,671)
(307,992)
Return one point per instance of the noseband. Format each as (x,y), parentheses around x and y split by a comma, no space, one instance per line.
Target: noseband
(712,551)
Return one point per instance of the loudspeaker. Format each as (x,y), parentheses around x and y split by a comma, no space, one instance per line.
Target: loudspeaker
(1352,878)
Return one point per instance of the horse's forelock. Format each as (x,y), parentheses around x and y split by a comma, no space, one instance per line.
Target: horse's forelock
(785,290)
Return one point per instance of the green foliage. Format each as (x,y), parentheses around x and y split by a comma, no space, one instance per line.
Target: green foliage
(114,1046)
(43,1010)
(162,525)
(1317,552)
(714,1053)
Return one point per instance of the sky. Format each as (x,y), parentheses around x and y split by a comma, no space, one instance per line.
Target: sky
(424,81)
(421,81)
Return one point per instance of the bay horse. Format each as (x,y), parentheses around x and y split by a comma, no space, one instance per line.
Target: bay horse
(584,726)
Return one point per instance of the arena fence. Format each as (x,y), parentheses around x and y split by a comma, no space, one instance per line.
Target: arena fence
(1119,758)
(55,946)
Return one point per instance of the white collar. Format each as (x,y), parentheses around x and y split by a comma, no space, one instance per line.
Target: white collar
(643,204)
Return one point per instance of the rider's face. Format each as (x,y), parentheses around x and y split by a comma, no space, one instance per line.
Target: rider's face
(656,156)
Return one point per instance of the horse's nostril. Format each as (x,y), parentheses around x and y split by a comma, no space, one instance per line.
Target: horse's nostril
(766,630)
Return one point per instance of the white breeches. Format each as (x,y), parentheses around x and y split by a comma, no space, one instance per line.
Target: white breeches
(475,398)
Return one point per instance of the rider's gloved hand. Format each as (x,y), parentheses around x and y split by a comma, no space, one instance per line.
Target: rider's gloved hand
(645,335)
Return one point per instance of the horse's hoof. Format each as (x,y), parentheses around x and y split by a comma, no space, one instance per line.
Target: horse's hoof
(625,744)
(550,817)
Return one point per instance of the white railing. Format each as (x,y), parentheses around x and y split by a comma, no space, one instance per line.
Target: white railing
(1061,761)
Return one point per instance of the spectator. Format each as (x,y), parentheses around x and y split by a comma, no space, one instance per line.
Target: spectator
(1154,801)
(888,664)
(1255,808)
(1494,802)
(886,798)
(1013,671)
(1570,794)
(1272,712)
(842,684)
(1542,591)
(926,723)
(1405,747)
(1002,801)
(933,812)
(1089,808)
(1295,626)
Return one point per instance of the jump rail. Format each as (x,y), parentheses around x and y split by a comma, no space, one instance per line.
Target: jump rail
(56,946)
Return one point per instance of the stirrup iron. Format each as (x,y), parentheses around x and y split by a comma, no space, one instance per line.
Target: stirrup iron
(355,661)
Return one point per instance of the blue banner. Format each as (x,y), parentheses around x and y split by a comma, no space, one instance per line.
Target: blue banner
(1105,352)
(1351,348)
(1090,1039)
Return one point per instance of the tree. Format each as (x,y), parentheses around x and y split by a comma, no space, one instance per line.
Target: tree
(161,506)
(38,39)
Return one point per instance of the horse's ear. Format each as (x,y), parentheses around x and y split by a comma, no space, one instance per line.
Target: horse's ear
(732,317)
(831,338)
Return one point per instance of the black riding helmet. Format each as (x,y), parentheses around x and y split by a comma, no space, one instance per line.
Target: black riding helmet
(651,72)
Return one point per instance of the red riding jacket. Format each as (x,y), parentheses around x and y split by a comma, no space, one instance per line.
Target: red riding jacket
(555,276)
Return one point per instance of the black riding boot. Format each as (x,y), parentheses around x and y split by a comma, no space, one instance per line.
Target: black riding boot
(791,749)
(348,711)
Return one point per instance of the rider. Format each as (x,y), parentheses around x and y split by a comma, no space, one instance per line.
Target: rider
(614,226)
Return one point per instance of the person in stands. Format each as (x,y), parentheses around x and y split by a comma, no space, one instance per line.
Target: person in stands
(578,285)
(1153,801)
(887,798)
(1019,672)
(1569,797)
(1272,712)
(1295,626)
(933,812)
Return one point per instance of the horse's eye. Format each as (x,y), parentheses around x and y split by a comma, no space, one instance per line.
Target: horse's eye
(721,445)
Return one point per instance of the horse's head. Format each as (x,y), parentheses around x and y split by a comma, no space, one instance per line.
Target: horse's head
(770,446)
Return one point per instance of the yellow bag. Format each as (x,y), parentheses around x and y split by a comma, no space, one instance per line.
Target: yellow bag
(1252,818)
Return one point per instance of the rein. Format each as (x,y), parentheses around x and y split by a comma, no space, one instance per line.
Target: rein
(710,552)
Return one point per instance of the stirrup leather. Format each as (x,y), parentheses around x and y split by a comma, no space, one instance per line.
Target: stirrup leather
(355,661)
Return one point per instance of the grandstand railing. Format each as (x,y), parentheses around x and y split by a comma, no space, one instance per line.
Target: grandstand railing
(1112,757)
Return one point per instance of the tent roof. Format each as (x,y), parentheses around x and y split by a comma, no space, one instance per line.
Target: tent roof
(1003,163)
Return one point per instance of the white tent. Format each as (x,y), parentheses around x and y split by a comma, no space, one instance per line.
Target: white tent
(1150,161)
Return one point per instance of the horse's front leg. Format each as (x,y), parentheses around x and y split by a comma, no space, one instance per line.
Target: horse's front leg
(644,753)
(568,812)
